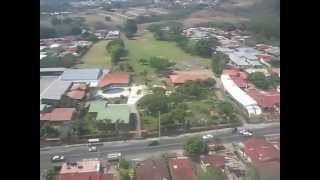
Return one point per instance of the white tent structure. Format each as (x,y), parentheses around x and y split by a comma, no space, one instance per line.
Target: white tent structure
(239,95)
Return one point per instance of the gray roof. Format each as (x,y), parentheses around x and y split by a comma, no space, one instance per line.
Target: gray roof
(52,69)
(81,74)
(56,90)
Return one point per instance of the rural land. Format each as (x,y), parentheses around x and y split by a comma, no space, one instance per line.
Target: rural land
(159,90)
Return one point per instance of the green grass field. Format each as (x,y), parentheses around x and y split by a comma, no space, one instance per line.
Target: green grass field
(97,56)
(146,46)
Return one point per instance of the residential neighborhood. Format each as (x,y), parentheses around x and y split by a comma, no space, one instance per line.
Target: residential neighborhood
(127,91)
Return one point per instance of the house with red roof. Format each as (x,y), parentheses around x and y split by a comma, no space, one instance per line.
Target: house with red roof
(259,151)
(152,169)
(114,79)
(181,169)
(179,78)
(59,118)
(238,77)
(265,99)
(77,91)
(83,170)
(213,161)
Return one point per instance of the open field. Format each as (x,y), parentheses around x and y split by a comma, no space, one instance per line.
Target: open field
(97,56)
(211,16)
(146,46)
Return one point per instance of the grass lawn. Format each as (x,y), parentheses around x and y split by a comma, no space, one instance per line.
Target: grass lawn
(97,56)
(146,46)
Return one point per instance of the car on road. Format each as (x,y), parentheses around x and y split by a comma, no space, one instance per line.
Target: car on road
(207,137)
(93,149)
(245,132)
(57,158)
(154,143)
(114,156)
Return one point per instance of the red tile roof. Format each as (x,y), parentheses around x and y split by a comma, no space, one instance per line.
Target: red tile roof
(217,161)
(269,170)
(260,151)
(265,57)
(152,170)
(181,169)
(114,78)
(59,114)
(76,94)
(79,86)
(81,176)
(262,46)
(182,77)
(265,99)
(239,78)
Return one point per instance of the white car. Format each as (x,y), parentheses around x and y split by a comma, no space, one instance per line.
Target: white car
(114,156)
(245,132)
(92,149)
(57,158)
(207,136)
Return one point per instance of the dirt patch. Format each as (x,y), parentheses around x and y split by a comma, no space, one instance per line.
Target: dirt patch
(211,16)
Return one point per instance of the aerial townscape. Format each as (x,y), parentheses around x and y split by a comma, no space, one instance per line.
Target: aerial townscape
(159,90)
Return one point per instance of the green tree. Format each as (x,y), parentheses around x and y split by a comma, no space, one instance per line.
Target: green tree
(49,131)
(259,80)
(204,47)
(117,53)
(76,31)
(115,43)
(124,174)
(211,174)
(159,63)
(226,110)
(195,146)
(154,103)
(130,28)
(218,63)
(47,32)
(124,164)
(274,80)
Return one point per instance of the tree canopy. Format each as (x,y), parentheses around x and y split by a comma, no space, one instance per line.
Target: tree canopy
(218,63)
(195,146)
(130,28)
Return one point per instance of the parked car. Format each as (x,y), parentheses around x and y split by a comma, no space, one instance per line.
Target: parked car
(93,149)
(153,143)
(57,158)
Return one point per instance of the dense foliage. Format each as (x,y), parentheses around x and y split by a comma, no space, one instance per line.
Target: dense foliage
(218,63)
(117,50)
(130,28)
(195,146)
(263,82)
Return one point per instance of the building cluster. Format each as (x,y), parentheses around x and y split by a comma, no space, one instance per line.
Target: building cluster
(232,161)
(60,47)
(62,90)
(244,60)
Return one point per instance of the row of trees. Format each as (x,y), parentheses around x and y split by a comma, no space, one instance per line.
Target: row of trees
(117,50)
(54,61)
(218,63)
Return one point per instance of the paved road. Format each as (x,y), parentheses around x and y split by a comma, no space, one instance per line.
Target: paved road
(138,148)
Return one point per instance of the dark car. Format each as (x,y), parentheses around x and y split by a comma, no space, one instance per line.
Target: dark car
(153,143)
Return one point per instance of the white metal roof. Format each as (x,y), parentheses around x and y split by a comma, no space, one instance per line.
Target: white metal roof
(239,95)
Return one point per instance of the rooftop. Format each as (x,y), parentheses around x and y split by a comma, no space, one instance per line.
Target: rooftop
(82,170)
(181,169)
(81,75)
(217,161)
(113,112)
(114,78)
(265,99)
(55,90)
(269,170)
(180,77)
(152,170)
(76,94)
(58,114)
(260,151)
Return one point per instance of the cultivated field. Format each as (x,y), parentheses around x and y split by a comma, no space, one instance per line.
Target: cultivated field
(97,56)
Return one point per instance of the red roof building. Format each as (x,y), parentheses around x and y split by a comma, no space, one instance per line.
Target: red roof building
(59,115)
(265,99)
(152,170)
(262,47)
(76,94)
(269,170)
(239,78)
(216,161)
(181,169)
(114,79)
(260,151)
(79,86)
(83,170)
(182,77)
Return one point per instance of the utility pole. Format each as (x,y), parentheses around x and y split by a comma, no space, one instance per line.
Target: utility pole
(159,127)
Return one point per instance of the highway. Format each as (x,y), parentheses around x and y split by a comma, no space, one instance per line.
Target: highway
(139,148)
